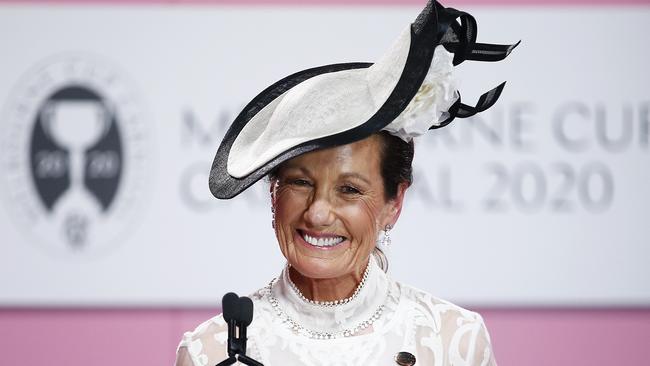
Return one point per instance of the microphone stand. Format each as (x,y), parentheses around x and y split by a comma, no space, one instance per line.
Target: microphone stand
(238,312)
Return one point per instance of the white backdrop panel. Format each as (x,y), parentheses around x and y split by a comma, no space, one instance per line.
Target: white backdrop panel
(542,200)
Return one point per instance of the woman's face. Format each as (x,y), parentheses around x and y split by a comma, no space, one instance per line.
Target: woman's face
(329,208)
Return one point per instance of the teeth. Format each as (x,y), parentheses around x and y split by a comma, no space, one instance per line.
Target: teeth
(322,242)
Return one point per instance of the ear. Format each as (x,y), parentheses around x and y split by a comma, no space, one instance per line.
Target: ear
(395,204)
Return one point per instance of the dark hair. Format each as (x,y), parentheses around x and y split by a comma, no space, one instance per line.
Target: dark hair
(395,163)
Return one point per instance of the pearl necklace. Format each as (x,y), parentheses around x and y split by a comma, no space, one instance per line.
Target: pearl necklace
(297,291)
(317,334)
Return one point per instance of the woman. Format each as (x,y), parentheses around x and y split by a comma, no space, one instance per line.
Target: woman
(336,145)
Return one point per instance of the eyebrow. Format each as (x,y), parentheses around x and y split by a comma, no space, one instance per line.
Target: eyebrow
(302,169)
(306,171)
(356,175)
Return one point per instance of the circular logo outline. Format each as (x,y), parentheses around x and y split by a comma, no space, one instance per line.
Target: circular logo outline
(26,98)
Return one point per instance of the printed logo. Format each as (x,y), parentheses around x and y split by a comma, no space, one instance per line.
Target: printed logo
(75,153)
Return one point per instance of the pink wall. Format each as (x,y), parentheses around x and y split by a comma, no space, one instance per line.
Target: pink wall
(149,337)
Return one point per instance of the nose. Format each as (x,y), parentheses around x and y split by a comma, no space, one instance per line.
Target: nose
(319,213)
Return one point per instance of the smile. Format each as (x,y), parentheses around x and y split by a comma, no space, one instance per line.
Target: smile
(321,241)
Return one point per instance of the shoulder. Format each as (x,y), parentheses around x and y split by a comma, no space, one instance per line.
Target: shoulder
(460,331)
(206,343)
(212,328)
(439,309)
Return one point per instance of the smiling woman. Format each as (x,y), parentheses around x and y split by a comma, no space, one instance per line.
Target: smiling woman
(329,207)
(336,144)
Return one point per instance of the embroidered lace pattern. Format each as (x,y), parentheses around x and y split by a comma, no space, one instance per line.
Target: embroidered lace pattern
(435,331)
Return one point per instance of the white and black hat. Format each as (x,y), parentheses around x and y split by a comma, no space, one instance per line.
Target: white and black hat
(407,92)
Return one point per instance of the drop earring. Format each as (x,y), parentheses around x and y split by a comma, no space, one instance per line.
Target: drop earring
(385,241)
(275,186)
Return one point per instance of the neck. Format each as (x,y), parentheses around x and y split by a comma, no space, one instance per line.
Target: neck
(327,289)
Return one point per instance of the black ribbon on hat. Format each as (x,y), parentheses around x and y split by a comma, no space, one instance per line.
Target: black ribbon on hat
(460,39)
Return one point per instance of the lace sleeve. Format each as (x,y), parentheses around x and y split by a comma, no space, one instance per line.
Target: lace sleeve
(470,344)
(483,353)
(447,334)
(206,345)
(183,357)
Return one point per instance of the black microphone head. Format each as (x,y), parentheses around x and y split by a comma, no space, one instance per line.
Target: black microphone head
(230,306)
(245,311)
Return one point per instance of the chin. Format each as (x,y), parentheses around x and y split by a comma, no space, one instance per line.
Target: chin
(317,268)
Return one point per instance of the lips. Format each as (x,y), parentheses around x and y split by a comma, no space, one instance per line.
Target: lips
(321,240)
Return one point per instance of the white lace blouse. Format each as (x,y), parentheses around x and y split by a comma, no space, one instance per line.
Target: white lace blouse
(386,317)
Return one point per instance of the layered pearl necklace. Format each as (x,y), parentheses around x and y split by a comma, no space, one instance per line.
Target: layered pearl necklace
(317,334)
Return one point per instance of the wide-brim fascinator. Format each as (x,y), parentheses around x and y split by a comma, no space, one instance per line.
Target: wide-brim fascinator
(408,91)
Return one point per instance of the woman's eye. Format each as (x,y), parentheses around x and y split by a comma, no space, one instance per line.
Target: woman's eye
(349,190)
(300,182)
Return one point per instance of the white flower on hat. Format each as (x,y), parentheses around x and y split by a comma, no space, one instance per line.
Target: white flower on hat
(431,103)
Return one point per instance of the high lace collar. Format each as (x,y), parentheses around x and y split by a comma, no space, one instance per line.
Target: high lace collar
(338,318)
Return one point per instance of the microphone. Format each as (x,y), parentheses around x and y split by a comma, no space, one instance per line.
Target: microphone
(238,314)
(230,305)
(244,320)
(245,311)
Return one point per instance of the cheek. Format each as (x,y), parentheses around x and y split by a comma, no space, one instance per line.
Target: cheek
(362,220)
(289,207)
(289,204)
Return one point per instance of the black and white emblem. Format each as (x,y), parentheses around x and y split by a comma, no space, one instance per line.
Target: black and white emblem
(75,153)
